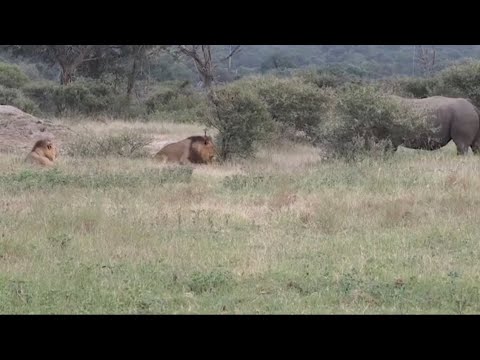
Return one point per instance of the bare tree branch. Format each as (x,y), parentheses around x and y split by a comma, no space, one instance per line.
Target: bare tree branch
(202,59)
(69,57)
(233,51)
(426,58)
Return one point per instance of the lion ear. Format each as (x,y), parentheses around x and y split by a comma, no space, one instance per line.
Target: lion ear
(49,147)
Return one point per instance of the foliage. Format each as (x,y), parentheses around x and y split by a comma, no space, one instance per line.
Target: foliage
(242,120)
(460,80)
(11,76)
(368,121)
(80,97)
(15,97)
(293,104)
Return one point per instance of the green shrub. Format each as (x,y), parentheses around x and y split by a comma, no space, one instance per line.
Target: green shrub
(15,97)
(8,96)
(165,67)
(241,119)
(174,96)
(44,95)
(412,87)
(462,80)
(294,104)
(86,97)
(11,76)
(365,122)
(277,61)
(327,78)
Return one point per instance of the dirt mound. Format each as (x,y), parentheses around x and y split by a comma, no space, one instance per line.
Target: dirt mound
(19,130)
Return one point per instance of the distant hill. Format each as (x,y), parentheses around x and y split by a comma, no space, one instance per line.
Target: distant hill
(368,60)
(371,61)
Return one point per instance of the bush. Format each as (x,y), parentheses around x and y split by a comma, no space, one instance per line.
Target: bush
(44,95)
(294,104)
(164,67)
(11,76)
(461,80)
(174,97)
(85,97)
(177,102)
(327,78)
(127,144)
(411,87)
(277,61)
(32,71)
(15,97)
(222,75)
(80,97)
(241,119)
(366,122)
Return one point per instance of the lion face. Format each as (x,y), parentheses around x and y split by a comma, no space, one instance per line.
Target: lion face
(50,151)
(209,150)
(46,148)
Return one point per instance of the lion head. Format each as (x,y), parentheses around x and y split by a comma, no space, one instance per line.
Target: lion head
(44,152)
(203,149)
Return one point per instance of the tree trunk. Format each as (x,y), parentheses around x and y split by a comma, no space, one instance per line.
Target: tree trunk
(132,77)
(69,58)
(67,75)
(207,80)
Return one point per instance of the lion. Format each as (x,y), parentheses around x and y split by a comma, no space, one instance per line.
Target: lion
(194,149)
(44,153)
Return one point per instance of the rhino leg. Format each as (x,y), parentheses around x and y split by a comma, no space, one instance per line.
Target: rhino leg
(462,148)
(476,148)
(476,145)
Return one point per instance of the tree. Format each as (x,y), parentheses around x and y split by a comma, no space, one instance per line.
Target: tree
(232,50)
(426,59)
(202,59)
(139,53)
(68,57)
(276,61)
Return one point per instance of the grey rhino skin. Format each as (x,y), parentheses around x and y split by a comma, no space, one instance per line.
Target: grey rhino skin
(454,119)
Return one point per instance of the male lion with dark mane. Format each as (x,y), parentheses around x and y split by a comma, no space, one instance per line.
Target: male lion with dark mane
(43,153)
(194,149)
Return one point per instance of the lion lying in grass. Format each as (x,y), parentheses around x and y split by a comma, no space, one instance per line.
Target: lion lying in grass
(43,153)
(194,149)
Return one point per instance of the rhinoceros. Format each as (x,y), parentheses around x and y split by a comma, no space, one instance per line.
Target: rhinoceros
(454,119)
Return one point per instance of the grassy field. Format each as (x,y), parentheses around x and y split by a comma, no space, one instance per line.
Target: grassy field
(286,233)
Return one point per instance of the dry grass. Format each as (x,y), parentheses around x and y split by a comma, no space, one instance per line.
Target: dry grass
(286,233)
